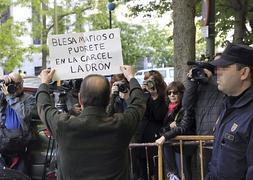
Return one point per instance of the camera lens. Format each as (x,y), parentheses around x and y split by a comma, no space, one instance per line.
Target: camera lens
(11,88)
(199,75)
(150,84)
(123,88)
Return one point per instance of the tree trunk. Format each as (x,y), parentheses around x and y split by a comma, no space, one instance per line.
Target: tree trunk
(240,9)
(183,36)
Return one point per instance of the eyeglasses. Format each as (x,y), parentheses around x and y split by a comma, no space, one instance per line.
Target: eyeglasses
(173,92)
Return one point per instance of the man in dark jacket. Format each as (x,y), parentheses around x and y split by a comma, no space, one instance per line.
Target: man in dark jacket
(203,101)
(233,146)
(93,145)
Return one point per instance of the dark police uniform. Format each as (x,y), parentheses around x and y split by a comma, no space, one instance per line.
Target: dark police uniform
(233,147)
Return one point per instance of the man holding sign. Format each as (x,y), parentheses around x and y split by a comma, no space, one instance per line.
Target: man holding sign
(92,145)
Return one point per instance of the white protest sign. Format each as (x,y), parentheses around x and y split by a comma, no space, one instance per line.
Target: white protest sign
(77,55)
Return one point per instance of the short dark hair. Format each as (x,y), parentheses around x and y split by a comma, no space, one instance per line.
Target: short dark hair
(176,86)
(95,91)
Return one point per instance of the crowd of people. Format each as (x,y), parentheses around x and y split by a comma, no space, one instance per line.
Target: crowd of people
(103,117)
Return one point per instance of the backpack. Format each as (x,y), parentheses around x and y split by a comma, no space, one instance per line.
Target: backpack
(12,140)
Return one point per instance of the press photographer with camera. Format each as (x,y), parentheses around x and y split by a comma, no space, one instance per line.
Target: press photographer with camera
(15,113)
(154,88)
(119,94)
(65,95)
(73,106)
(203,101)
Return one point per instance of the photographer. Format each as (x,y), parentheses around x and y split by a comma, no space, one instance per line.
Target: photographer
(74,108)
(203,99)
(15,113)
(65,96)
(148,130)
(119,94)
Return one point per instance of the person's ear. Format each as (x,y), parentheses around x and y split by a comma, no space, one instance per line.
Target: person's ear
(80,101)
(245,73)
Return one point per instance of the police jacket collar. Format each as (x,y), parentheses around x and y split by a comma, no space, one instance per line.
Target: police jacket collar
(244,99)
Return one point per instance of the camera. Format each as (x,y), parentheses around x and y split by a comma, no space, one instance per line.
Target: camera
(198,72)
(150,84)
(11,87)
(72,84)
(123,87)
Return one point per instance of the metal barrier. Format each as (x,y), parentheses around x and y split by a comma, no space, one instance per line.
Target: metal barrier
(178,140)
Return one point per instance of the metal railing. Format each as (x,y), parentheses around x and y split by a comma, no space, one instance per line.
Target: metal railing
(179,140)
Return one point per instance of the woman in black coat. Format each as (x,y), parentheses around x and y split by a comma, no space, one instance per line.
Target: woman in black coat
(156,109)
(175,124)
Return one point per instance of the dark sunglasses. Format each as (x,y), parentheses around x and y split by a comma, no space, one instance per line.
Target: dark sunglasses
(173,92)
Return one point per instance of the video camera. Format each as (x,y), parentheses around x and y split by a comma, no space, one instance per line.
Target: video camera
(60,98)
(60,93)
(11,87)
(198,72)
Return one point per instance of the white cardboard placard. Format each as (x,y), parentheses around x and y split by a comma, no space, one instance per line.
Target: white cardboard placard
(77,55)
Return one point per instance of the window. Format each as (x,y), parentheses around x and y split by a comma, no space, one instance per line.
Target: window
(138,73)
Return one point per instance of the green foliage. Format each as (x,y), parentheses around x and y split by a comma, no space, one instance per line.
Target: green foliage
(160,6)
(4,4)
(200,41)
(156,44)
(224,20)
(11,52)
(131,43)
(198,7)
(225,13)
(100,20)
(79,21)
(137,42)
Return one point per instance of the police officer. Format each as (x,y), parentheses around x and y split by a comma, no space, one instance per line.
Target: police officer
(232,157)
